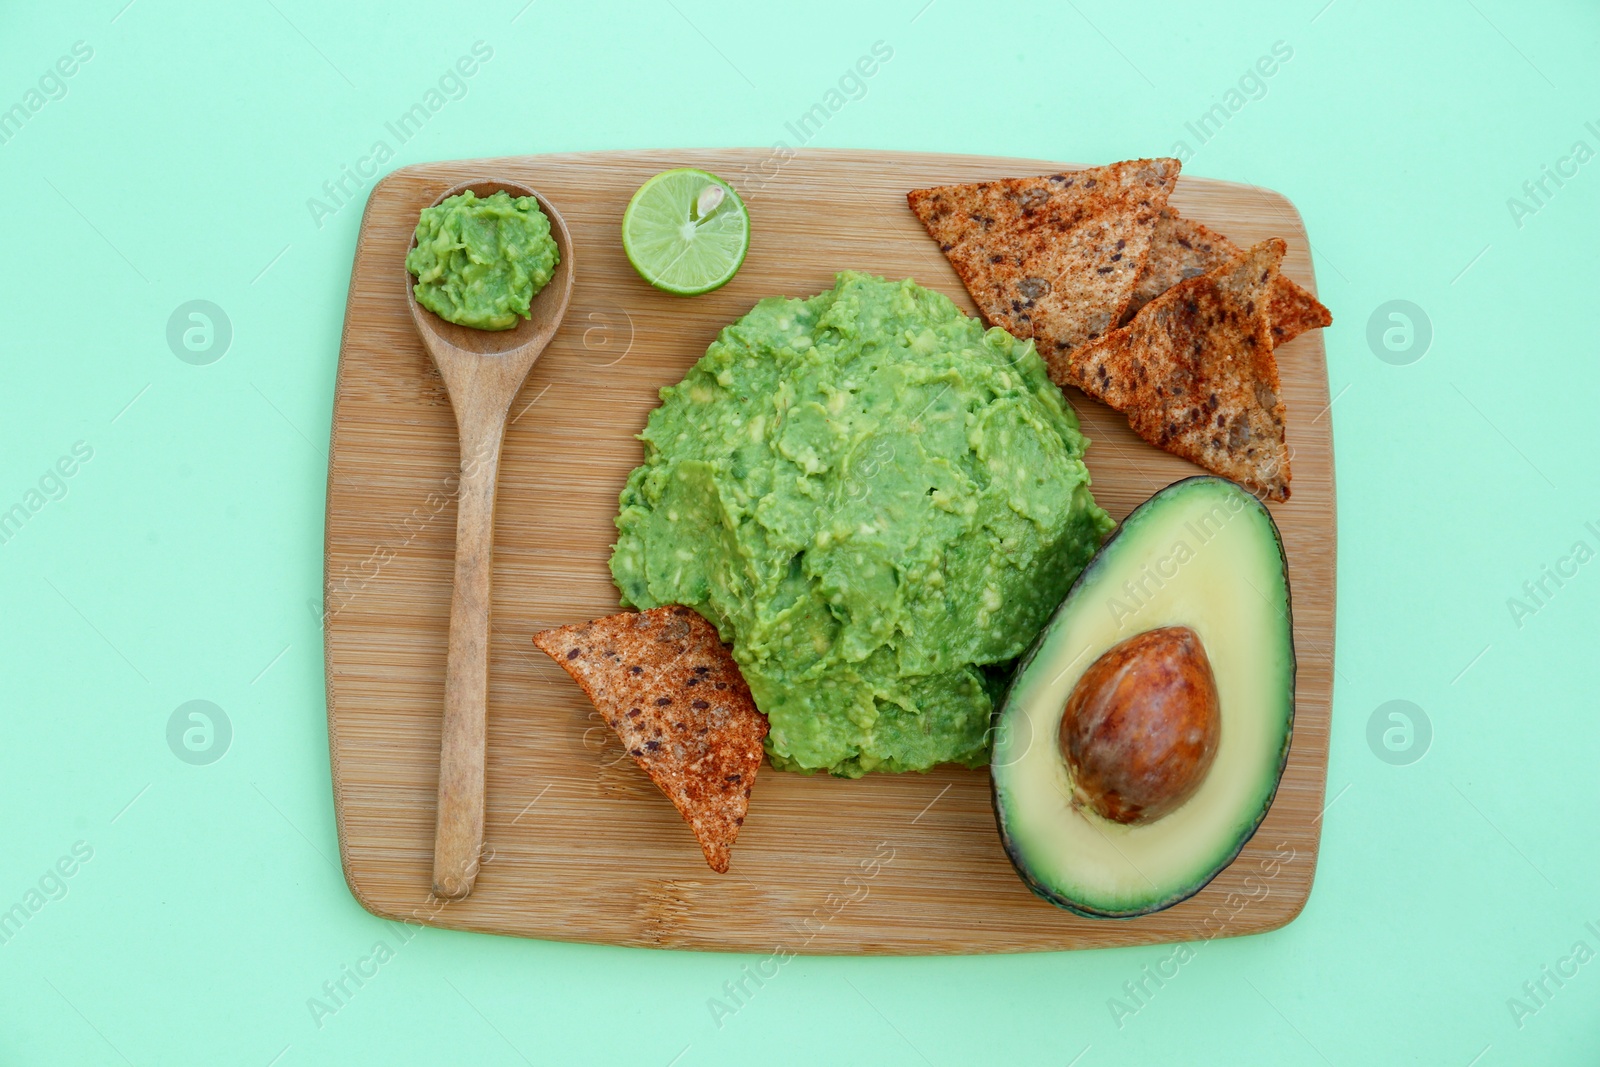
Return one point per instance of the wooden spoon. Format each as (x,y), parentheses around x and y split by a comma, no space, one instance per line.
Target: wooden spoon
(482,371)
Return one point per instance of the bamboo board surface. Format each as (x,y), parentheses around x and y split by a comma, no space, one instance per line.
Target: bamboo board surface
(579,845)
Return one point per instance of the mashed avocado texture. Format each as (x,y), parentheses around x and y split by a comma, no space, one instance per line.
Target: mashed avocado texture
(480,262)
(879,503)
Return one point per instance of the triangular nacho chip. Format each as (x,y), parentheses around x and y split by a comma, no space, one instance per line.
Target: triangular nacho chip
(1056,257)
(664,681)
(1294,311)
(1195,375)
(1182,248)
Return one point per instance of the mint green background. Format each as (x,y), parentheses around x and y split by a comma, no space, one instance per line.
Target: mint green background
(186,554)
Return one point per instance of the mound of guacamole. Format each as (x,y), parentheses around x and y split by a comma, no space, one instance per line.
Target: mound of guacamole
(878,503)
(480,261)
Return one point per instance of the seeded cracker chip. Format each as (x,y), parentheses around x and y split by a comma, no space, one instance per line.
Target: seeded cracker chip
(1195,375)
(664,681)
(1056,257)
(1183,249)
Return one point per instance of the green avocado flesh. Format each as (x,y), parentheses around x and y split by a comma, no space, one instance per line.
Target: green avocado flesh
(878,503)
(480,262)
(1205,554)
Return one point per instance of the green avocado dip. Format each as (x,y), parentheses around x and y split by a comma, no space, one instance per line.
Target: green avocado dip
(878,503)
(480,262)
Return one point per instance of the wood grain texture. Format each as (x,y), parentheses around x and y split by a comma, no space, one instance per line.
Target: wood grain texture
(580,846)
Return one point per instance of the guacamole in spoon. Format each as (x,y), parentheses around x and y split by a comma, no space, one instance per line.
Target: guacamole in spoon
(479,262)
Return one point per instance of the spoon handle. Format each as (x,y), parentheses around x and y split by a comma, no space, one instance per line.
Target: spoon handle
(458,835)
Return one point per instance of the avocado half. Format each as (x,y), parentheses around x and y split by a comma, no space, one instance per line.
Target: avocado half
(1202,553)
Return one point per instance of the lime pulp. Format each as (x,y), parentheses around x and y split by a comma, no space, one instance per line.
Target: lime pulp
(686,231)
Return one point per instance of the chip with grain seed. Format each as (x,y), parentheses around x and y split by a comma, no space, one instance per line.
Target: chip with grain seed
(665,682)
(1182,248)
(1055,258)
(1194,372)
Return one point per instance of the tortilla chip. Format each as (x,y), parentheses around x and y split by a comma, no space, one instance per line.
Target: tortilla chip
(1195,374)
(1056,257)
(665,682)
(1294,311)
(1181,248)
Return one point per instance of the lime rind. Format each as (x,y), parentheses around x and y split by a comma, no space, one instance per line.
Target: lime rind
(674,249)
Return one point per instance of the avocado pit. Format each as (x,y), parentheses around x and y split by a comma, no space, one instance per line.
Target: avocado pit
(1140,728)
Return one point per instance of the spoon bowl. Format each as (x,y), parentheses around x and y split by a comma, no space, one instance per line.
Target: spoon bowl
(483,370)
(545,311)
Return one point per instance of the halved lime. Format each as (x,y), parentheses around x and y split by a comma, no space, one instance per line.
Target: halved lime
(686,231)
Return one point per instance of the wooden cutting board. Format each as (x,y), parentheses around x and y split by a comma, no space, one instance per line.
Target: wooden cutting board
(580,846)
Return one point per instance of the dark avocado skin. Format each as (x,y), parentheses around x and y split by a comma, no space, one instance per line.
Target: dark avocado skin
(1044,892)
